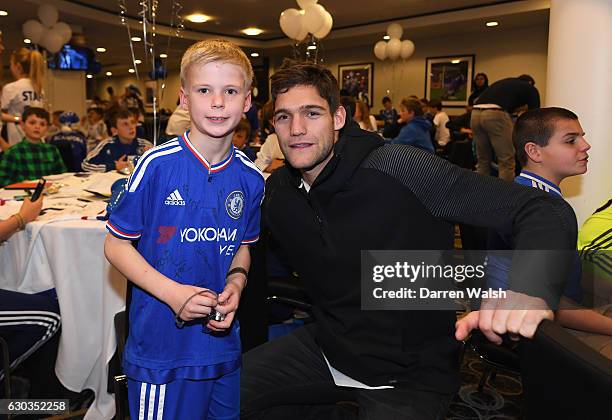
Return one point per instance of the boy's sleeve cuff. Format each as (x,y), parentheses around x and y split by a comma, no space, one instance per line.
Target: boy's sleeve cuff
(249,241)
(121,233)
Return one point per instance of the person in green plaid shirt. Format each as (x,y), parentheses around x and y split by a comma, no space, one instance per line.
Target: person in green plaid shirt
(31,158)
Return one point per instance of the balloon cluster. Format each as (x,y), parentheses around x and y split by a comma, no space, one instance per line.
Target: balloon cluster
(395,47)
(312,18)
(50,34)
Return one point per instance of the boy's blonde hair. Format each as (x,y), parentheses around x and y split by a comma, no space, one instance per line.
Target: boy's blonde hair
(212,50)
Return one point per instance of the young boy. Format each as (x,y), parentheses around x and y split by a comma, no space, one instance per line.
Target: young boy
(94,127)
(193,205)
(416,131)
(442,135)
(112,153)
(550,147)
(31,158)
(390,116)
(242,133)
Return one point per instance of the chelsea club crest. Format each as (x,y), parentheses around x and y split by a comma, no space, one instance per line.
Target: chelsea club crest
(234,203)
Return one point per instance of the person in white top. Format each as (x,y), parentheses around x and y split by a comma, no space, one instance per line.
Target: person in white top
(179,122)
(439,121)
(362,116)
(27,67)
(270,157)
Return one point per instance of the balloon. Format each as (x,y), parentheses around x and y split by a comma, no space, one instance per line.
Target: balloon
(314,18)
(395,31)
(305,3)
(394,47)
(302,31)
(407,49)
(289,22)
(63,29)
(52,41)
(47,13)
(380,50)
(33,30)
(329,22)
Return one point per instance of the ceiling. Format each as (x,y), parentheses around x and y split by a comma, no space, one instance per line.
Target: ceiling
(356,22)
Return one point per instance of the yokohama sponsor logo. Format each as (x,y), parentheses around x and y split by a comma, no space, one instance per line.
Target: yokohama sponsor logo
(207,234)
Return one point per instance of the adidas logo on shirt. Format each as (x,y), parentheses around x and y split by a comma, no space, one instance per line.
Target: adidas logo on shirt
(175,199)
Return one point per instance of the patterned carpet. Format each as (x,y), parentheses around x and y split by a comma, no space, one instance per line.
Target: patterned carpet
(500,399)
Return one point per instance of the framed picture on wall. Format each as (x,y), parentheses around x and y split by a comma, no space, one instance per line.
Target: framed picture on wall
(357,79)
(449,79)
(150,93)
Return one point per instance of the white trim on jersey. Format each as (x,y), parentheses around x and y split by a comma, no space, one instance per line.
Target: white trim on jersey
(539,184)
(49,320)
(152,392)
(115,231)
(248,162)
(141,407)
(150,404)
(160,402)
(163,150)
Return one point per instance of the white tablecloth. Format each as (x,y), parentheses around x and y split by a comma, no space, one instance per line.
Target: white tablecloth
(66,253)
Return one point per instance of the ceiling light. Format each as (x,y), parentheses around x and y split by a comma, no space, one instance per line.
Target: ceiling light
(252,31)
(131,71)
(109,73)
(254,54)
(27,41)
(455,61)
(492,23)
(3,13)
(136,39)
(162,55)
(311,47)
(386,37)
(137,61)
(101,49)
(197,18)
(90,76)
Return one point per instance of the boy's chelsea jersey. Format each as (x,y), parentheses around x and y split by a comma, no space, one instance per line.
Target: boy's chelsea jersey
(189,218)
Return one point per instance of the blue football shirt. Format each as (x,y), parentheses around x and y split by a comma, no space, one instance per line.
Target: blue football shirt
(189,218)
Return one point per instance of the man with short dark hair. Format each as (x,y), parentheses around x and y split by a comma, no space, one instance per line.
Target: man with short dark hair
(492,125)
(340,193)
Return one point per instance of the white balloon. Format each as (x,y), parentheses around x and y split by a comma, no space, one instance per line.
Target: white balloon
(395,31)
(302,31)
(314,18)
(63,29)
(53,40)
(33,30)
(47,13)
(289,20)
(407,49)
(394,47)
(329,22)
(380,50)
(305,3)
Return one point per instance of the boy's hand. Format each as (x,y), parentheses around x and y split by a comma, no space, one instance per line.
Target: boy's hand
(199,306)
(228,303)
(121,163)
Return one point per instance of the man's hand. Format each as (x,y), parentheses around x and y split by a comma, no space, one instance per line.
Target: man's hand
(199,306)
(228,304)
(518,315)
(121,163)
(274,165)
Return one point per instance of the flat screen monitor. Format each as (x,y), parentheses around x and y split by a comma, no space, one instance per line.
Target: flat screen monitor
(71,57)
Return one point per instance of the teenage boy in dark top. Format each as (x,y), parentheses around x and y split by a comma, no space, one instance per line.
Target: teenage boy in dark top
(390,116)
(323,208)
(492,125)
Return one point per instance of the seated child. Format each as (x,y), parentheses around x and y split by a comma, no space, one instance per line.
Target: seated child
(94,127)
(241,138)
(112,153)
(70,141)
(31,158)
(550,147)
(416,131)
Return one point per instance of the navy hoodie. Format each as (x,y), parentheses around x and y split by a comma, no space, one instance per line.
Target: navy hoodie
(416,133)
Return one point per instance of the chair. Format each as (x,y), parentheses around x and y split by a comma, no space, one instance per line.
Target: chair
(120,381)
(563,378)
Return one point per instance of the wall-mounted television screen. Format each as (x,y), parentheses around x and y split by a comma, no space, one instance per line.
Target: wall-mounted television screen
(71,57)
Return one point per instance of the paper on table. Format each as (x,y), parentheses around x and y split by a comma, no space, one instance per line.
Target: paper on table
(101,185)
